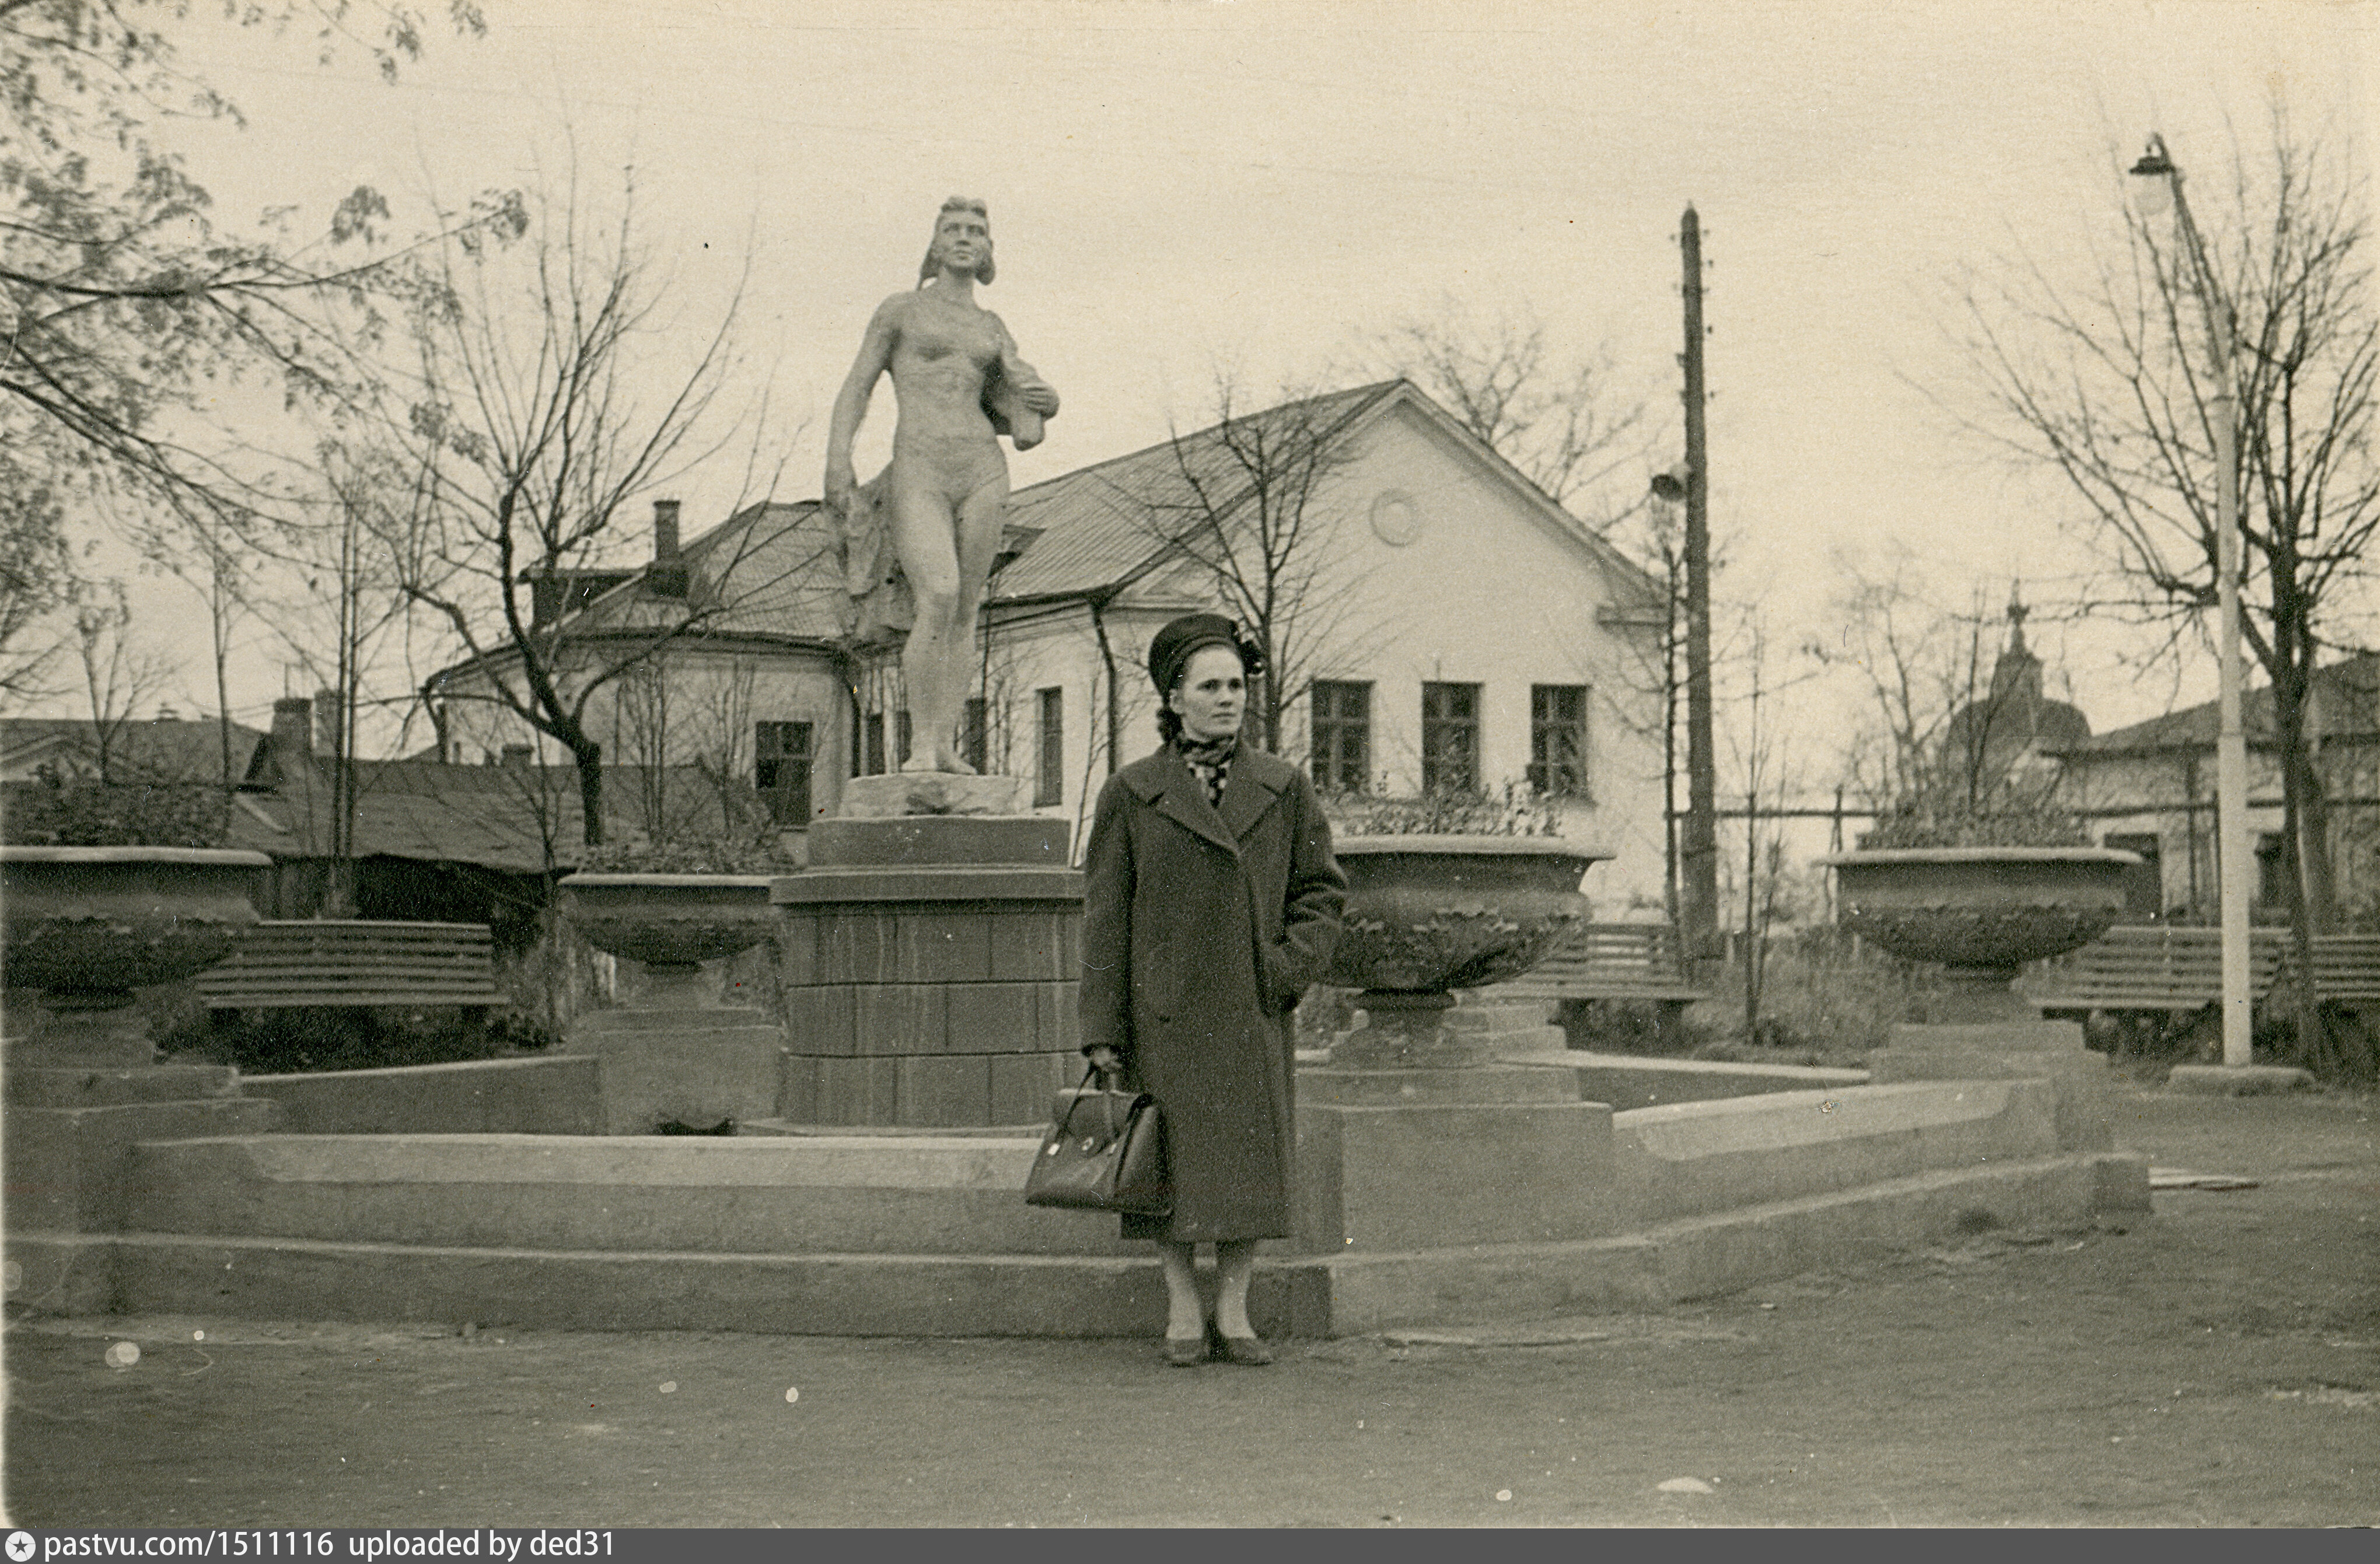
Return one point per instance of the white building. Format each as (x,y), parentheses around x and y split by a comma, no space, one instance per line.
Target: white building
(1447,625)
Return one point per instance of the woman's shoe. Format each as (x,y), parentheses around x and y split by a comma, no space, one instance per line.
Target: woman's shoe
(1186,1351)
(1249,1351)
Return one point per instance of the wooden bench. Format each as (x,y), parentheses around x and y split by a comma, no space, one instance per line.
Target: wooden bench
(2346,968)
(2145,968)
(1627,962)
(284,964)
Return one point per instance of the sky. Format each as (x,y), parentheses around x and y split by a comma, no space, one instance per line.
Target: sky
(1264,187)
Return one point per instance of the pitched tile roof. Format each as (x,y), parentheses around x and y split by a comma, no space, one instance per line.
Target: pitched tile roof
(497,817)
(2347,692)
(1093,522)
(162,749)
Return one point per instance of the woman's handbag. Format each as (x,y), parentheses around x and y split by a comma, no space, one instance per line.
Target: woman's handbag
(1105,1151)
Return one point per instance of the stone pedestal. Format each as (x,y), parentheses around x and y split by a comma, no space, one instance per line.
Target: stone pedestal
(1438,1031)
(930,966)
(1409,1139)
(2003,1049)
(695,1066)
(932,793)
(681,1052)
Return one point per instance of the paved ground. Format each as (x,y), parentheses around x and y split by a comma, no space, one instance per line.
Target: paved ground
(2219,1366)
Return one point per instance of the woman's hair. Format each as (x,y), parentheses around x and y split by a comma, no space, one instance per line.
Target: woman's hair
(1168,721)
(932,263)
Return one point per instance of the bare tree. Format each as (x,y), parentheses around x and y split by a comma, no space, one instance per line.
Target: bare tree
(119,675)
(541,410)
(1959,717)
(1242,499)
(1559,420)
(352,598)
(2107,386)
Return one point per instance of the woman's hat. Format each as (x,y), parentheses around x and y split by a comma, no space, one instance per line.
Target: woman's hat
(1171,649)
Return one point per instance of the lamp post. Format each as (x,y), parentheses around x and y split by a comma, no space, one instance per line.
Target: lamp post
(2162,187)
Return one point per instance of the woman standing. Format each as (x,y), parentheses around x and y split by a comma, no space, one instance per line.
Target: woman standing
(1212,904)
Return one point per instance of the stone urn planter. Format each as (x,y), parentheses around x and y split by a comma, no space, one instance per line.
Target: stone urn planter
(1430,914)
(86,925)
(673,924)
(1981,912)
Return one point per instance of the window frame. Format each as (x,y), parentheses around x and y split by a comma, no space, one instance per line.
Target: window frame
(789,803)
(1330,726)
(1543,727)
(1438,726)
(1049,745)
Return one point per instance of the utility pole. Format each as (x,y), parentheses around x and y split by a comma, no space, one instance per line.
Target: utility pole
(1698,853)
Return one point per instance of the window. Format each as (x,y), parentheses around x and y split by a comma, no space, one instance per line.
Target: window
(871,763)
(1558,739)
(2272,869)
(1449,738)
(2143,886)
(1343,737)
(901,738)
(1050,776)
(780,769)
(975,734)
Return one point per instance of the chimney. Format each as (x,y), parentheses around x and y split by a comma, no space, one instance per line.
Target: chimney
(667,577)
(326,721)
(293,726)
(544,597)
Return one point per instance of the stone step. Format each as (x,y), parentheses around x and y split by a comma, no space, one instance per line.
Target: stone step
(1059,1295)
(1692,1159)
(768,1194)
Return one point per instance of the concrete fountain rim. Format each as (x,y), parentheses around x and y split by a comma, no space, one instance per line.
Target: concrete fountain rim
(1884,856)
(1476,847)
(220,858)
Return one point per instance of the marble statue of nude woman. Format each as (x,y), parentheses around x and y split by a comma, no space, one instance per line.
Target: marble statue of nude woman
(940,503)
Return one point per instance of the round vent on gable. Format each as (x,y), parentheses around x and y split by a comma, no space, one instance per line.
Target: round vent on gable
(1395,518)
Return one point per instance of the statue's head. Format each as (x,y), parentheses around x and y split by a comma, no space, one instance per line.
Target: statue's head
(963,221)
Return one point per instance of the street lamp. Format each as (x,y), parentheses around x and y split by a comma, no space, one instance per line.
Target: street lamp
(2160,189)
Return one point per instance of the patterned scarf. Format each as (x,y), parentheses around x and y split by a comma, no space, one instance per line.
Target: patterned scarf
(1210,761)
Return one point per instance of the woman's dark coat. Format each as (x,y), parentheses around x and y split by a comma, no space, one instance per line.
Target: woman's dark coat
(1201,930)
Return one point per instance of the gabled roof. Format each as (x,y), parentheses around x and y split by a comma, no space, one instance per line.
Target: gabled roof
(162,749)
(771,569)
(496,817)
(771,573)
(1093,521)
(1095,535)
(2346,693)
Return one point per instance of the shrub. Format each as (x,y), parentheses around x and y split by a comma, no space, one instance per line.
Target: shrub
(54,810)
(1637,1026)
(1820,997)
(1932,822)
(1445,812)
(274,1042)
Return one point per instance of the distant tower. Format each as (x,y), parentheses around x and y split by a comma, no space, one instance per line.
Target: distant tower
(2015,726)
